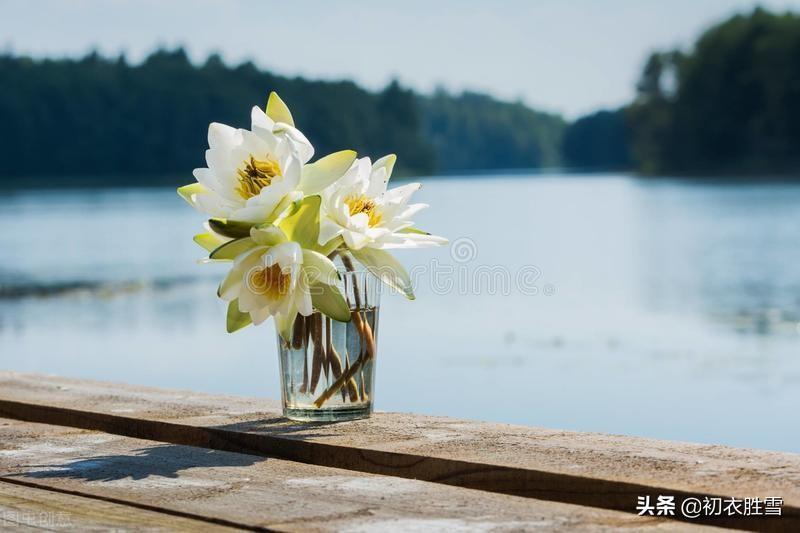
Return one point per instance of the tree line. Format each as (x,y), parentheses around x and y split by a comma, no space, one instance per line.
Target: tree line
(99,118)
(730,105)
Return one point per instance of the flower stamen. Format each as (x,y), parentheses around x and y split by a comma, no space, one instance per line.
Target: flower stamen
(257,174)
(363,204)
(270,281)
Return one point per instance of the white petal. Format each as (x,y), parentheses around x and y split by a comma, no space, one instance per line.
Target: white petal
(400,195)
(412,240)
(250,301)
(291,169)
(286,254)
(225,175)
(260,121)
(271,194)
(252,145)
(230,287)
(359,222)
(355,240)
(260,315)
(328,229)
(249,259)
(387,163)
(302,300)
(377,183)
(213,205)
(207,178)
(364,173)
(223,136)
(300,145)
(412,210)
(252,213)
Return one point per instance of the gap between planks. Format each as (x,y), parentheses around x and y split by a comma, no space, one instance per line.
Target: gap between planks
(559,487)
(95,512)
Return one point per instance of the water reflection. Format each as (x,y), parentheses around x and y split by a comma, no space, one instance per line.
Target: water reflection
(673,314)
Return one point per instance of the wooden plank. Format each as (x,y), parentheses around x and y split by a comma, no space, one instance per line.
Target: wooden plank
(264,493)
(588,469)
(25,508)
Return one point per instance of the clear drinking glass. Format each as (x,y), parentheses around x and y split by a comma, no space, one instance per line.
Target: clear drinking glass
(328,367)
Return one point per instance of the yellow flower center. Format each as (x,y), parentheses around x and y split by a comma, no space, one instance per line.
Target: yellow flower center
(270,281)
(363,204)
(256,175)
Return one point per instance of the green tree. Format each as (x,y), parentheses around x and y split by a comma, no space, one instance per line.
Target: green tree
(598,141)
(146,123)
(735,107)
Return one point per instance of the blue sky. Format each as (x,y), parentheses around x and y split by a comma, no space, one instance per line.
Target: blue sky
(569,56)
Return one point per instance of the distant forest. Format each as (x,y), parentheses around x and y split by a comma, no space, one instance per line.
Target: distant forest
(75,118)
(729,105)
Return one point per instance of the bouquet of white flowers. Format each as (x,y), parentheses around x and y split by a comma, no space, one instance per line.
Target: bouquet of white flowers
(292,231)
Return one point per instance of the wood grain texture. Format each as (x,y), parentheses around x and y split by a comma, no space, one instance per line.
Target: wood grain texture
(253,492)
(25,508)
(588,469)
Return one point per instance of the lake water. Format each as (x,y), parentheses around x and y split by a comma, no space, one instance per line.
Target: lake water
(658,308)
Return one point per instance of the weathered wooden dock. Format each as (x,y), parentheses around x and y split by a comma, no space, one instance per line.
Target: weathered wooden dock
(85,455)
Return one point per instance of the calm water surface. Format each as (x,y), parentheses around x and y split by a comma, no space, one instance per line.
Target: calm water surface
(656,308)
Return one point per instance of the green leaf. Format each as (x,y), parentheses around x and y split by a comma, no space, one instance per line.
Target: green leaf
(328,248)
(278,111)
(209,241)
(230,228)
(328,300)
(319,268)
(385,267)
(325,171)
(237,320)
(231,249)
(267,235)
(187,191)
(302,226)
(288,201)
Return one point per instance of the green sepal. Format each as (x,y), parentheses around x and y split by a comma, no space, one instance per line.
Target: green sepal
(231,249)
(209,241)
(236,320)
(277,110)
(302,225)
(385,267)
(235,229)
(413,230)
(187,191)
(328,300)
(328,248)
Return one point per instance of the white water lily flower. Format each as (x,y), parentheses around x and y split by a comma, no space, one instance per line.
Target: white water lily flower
(273,276)
(277,277)
(253,175)
(360,209)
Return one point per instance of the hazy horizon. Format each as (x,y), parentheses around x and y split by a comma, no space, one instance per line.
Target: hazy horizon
(543,53)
